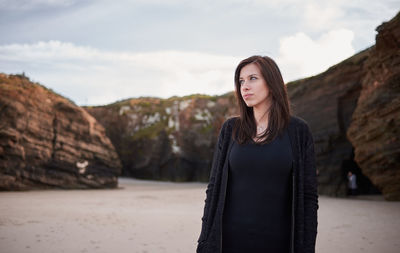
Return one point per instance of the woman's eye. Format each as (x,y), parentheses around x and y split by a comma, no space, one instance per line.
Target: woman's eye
(253,78)
(241,82)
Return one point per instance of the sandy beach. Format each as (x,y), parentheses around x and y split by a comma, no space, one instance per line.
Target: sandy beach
(146,216)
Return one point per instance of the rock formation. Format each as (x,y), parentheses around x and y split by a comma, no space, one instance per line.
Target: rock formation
(375,126)
(353,109)
(165,139)
(327,101)
(48,142)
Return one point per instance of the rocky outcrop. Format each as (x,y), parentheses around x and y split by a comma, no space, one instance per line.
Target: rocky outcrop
(353,110)
(48,142)
(327,101)
(165,139)
(375,126)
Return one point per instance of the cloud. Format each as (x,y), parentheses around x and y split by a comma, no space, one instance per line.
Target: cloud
(33,4)
(354,15)
(301,56)
(91,76)
(321,17)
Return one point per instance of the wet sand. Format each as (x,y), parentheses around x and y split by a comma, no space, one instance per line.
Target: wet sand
(146,216)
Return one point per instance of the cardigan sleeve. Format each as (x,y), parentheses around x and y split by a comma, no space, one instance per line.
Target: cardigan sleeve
(310,196)
(211,183)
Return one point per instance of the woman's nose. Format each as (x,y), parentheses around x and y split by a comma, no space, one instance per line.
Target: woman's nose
(245,85)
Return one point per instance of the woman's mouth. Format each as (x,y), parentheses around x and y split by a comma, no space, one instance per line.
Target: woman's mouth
(247,96)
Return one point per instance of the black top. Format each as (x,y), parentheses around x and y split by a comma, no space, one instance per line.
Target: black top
(257,213)
(304,187)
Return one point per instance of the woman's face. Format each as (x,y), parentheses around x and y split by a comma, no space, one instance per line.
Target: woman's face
(253,87)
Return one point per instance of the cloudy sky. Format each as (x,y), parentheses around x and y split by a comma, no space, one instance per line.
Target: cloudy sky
(97,52)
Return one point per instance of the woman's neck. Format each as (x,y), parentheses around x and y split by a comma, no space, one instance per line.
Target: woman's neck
(261,114)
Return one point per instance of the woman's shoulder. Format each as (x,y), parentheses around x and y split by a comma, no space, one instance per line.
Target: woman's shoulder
(228,125)
(298,122)
(298,125)
(231,120)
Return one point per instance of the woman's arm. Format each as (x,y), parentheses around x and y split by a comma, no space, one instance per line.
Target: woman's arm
(211,183)
(310,196)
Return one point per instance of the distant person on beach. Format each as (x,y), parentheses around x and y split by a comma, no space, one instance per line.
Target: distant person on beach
(352,184)
(262,192)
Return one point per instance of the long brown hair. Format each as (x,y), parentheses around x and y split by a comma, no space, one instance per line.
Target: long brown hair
(279,115)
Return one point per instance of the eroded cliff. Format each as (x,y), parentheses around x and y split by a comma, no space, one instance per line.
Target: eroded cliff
(46,141)
(375,127)
(166,139)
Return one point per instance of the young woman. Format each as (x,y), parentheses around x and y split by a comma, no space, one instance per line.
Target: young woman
(262,192)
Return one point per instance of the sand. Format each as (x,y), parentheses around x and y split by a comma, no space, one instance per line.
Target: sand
(147,216)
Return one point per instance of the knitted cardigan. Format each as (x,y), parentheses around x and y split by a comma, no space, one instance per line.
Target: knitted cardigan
(304,188)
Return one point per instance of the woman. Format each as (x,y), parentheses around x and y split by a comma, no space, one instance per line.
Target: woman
(269,203)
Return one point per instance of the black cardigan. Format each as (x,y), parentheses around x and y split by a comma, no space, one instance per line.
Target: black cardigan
(304,188)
